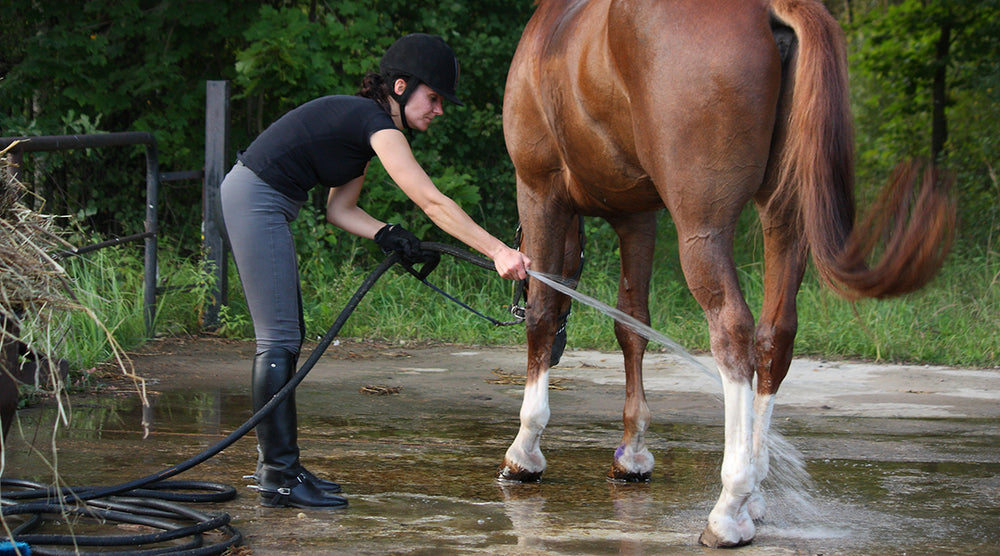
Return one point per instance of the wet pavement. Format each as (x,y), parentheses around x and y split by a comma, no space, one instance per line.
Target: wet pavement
(870,459)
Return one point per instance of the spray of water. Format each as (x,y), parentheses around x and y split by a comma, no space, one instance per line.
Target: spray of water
(651,334)
(788,482)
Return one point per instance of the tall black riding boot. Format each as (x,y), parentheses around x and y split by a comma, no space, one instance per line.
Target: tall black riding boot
(281,479)
(328,487)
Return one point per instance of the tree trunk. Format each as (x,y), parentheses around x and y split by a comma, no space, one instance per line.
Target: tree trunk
(939,122)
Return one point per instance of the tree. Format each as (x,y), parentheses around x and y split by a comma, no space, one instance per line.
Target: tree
(116,66)
(141,65)
(919,68)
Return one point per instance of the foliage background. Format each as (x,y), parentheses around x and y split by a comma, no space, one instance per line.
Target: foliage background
(142,66)
(922,70)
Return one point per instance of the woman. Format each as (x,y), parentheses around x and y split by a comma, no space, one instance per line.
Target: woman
(329,141)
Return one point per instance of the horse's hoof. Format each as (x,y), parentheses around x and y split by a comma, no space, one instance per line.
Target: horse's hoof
(513,473)
(619,475)
(727,532)
(711,540)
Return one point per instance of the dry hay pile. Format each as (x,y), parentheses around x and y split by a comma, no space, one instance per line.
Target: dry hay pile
(33,286)
(35,291)
(36,300)
(31,281)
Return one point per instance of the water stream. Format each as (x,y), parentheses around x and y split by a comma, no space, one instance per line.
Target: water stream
(644,330)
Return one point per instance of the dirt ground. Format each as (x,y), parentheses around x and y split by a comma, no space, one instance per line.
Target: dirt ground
(833,388)
(899,459)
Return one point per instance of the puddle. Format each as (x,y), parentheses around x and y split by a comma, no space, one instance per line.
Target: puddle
(419,474)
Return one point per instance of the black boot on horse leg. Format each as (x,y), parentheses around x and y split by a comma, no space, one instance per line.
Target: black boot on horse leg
(574,245)
(281,479)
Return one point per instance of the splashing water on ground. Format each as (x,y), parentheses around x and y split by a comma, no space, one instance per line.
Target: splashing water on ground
(789,483)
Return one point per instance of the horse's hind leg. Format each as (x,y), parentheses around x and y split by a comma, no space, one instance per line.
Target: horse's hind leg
(707,261)
(550,234)
(784,265)
(637,235)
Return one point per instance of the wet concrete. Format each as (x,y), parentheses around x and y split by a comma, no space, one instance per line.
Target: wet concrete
(870,459)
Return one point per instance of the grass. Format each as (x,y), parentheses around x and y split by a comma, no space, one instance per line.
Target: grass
(954,321)
(951,322)
(110,283)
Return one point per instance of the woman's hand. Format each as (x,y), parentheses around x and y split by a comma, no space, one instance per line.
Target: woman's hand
(511,264)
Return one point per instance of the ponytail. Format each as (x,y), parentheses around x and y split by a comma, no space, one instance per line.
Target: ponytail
(375,87)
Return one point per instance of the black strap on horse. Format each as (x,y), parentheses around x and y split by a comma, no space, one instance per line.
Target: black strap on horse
(521,287)
(521,295)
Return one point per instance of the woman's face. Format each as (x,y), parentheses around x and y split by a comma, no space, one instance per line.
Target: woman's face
(422,107)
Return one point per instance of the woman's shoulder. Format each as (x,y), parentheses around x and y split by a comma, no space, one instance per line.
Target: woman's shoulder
(348,106)
(350,118)
(349,102)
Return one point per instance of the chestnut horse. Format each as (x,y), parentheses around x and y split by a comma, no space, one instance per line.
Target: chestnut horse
(617,108)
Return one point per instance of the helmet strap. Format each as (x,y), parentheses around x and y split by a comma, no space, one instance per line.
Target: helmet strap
(411,85)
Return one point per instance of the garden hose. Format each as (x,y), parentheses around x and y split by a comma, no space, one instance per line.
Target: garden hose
(152,500)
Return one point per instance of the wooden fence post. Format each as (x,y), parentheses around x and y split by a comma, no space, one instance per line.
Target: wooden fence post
(215,248)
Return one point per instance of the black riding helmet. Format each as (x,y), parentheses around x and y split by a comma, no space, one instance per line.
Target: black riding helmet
(421,58)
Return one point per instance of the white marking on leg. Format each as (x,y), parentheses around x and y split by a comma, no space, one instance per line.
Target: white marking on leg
(525,451)
(763,407)
(729,520)
(633,456)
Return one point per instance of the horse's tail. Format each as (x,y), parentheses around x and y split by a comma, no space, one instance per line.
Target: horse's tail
(913,221)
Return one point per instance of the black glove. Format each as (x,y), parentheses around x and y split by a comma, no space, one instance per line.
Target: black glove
(393,237)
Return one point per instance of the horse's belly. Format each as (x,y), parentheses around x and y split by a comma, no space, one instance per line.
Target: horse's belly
(598,193)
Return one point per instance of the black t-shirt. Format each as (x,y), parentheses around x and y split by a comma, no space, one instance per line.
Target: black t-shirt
(325,141)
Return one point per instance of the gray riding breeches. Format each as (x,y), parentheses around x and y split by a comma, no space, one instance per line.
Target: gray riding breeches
(257,219)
